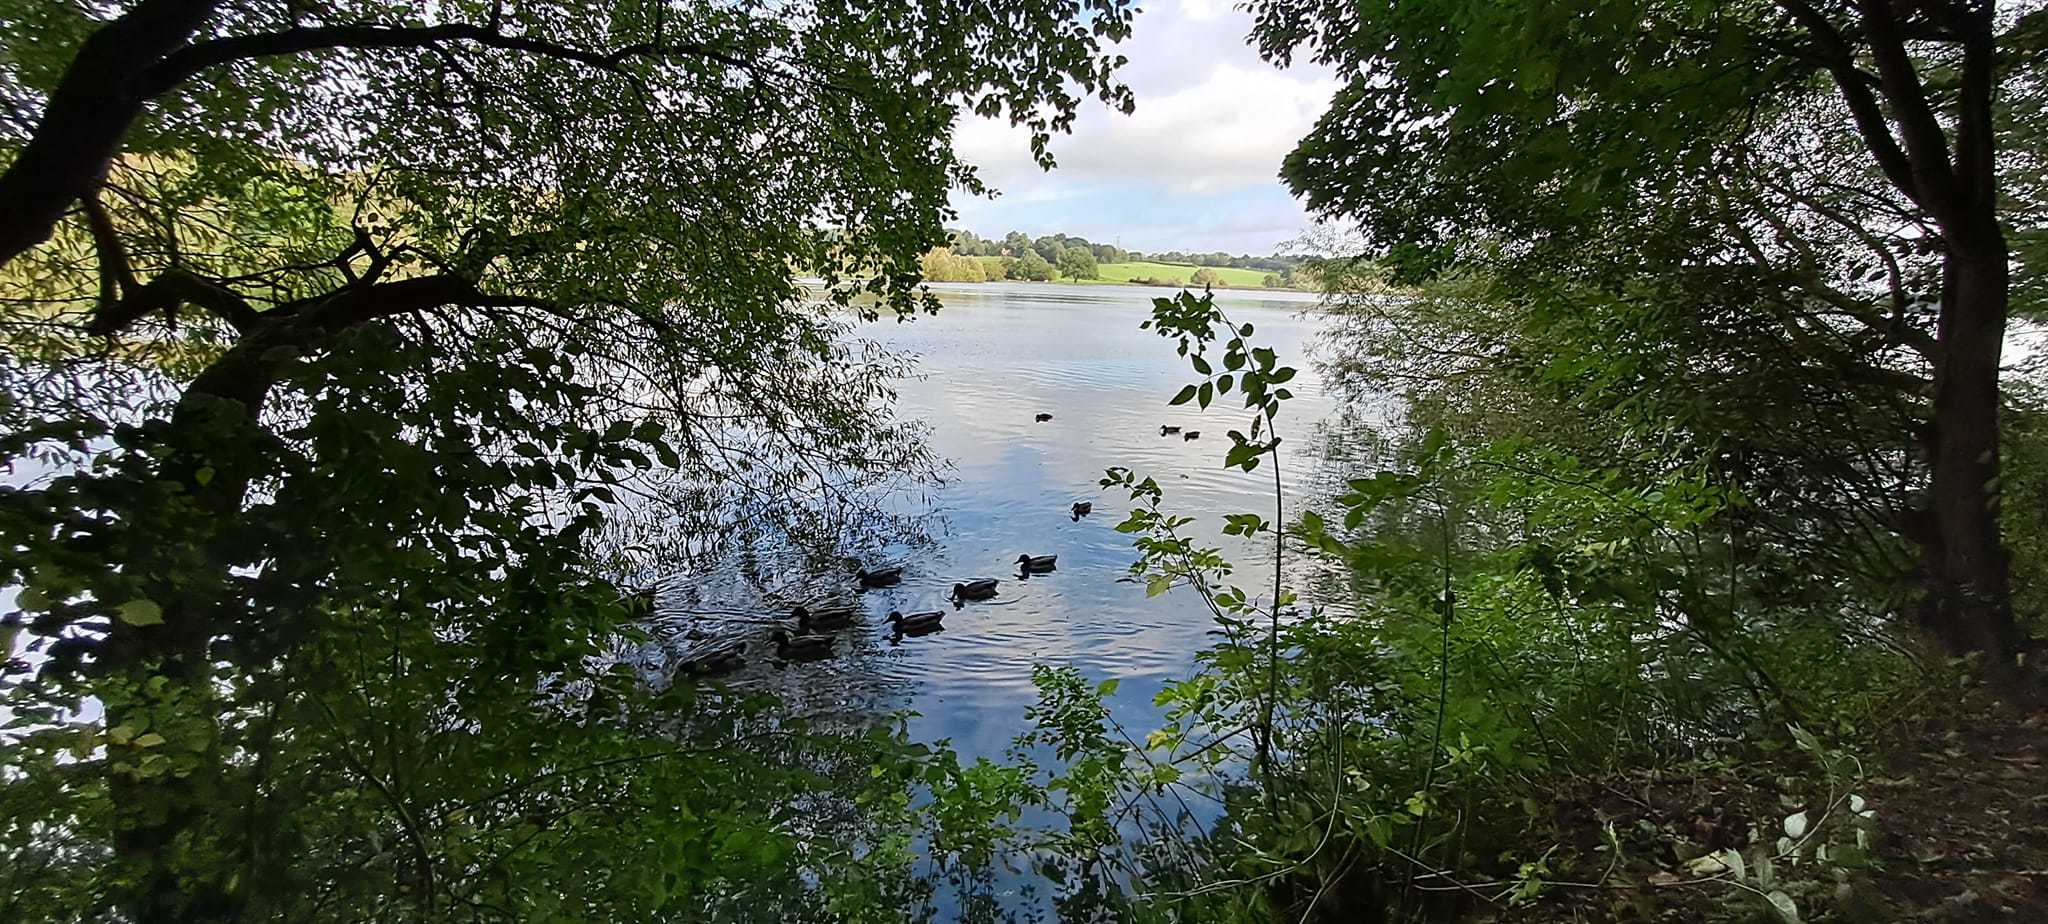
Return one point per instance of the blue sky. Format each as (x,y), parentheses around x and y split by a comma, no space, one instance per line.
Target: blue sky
(1194,168)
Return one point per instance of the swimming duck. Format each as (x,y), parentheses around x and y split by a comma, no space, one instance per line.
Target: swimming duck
(826,616)
(1191,435)
(801,647)
(714,661)
(880,577)
(1036,564)
(1042,418)
(916,623)
(1083,508)
(1164,430)
(977,589)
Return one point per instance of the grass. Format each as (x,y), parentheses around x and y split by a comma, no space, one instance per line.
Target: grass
(1165,273)
(1177,273)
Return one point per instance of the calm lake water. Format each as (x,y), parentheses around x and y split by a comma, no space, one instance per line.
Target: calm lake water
(994,358)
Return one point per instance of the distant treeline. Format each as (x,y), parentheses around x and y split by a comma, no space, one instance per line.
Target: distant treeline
(1051,247)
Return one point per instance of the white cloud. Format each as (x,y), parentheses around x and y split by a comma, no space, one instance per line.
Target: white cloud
(1212,125)
(1228,131)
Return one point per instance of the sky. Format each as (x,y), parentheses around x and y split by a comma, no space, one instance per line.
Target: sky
(1195,168)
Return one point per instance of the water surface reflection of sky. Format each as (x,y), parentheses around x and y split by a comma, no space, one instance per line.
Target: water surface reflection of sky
(994,358)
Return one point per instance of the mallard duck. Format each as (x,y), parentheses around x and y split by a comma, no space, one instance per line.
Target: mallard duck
(1191,435)
(1083,508)
(826,616)
(916,623)
(1042,418)
(1037,564)
(1165,430)
(880,577)
(801,647)
(977,589)
(718,659)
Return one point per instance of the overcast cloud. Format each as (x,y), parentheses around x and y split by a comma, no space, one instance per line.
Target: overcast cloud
(1194,168)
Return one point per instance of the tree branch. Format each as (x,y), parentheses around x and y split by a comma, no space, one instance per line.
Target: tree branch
(1855,86)
(1926,143)
(164,294)
(190,61)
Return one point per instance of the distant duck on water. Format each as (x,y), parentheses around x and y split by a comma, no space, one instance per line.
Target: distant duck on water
(1037,564)
(1043,417)
(826,616)
(714,661)
(1166,430)
(977,589)
(1191,435)
(1082,509)
(916,623)
(801,647)
(880,577)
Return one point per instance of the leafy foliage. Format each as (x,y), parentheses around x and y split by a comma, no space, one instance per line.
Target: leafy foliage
(394,348)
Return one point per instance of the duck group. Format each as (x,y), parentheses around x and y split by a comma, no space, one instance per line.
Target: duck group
(813,638)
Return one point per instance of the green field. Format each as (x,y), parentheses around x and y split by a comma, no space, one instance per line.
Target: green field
(1176,273)
(1166,273)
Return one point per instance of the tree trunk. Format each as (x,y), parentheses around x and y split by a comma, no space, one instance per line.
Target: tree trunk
(169,829)
(87,116)
(1970,607)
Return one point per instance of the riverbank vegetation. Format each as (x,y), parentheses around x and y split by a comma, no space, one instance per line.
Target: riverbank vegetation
(362,371)
(1061,257)
(1679,584)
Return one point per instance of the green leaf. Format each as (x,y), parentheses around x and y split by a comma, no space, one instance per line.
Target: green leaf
(140,613)
(1782,905)
(1201,365)
(33,599)
(204,475)
(1107,687)
(1185,395)
(1158,584)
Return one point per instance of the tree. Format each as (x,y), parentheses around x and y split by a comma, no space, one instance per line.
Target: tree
(1029,267)
(1077,263)
(1205,277)
(1547,140)
(347,334)
(1273,281)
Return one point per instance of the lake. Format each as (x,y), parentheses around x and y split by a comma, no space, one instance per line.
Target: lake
(999,354)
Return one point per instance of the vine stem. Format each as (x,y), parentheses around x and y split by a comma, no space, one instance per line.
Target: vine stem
(1443,696)
(1273,628)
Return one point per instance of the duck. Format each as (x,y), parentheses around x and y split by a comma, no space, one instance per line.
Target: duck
(1037,564)
(827,616)
(1165,430)
(976,589)
(715,660)
(1191,435)
(1043,417)
(801,647)
(916,623)
(1083,508)
(880,577)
